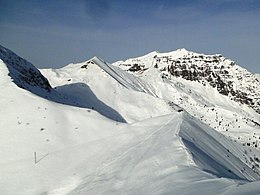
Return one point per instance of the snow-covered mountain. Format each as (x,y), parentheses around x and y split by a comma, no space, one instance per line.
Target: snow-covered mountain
(196,82)
(124,129)
(215,70)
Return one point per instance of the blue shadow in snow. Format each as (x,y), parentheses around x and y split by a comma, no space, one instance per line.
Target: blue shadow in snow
(207,163)
(80,95)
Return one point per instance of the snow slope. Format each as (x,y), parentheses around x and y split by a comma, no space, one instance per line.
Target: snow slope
(101,130)
(156,162)
(125,93)
(32,124)
(90,154)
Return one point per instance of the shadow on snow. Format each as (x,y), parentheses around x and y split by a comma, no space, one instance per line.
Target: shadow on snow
(80,95)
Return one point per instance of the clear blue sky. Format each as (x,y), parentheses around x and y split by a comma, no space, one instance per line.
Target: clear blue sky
(53,33)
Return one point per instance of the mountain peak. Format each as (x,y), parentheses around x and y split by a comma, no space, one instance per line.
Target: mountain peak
(214,70)
(183,50)
(96,58)
(178,52)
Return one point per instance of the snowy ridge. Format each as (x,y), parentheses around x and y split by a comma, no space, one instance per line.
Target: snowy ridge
(102,130)
(124,78)
(147,61)
(127,94)
(214,152)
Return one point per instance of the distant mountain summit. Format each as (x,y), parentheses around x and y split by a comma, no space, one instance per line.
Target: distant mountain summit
(23,73)
(215,70)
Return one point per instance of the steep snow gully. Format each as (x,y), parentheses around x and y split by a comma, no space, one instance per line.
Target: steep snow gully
(103,130)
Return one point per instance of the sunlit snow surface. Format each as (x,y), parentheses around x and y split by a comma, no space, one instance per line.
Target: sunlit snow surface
(126,139)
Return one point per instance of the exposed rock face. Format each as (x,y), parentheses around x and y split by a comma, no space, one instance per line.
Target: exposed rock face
(215,70)
(23,73)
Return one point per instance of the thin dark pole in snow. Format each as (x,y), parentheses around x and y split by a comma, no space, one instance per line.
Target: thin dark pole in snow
(40,158)
(35,161)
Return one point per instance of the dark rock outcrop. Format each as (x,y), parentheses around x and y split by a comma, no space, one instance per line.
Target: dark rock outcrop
(23,73)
